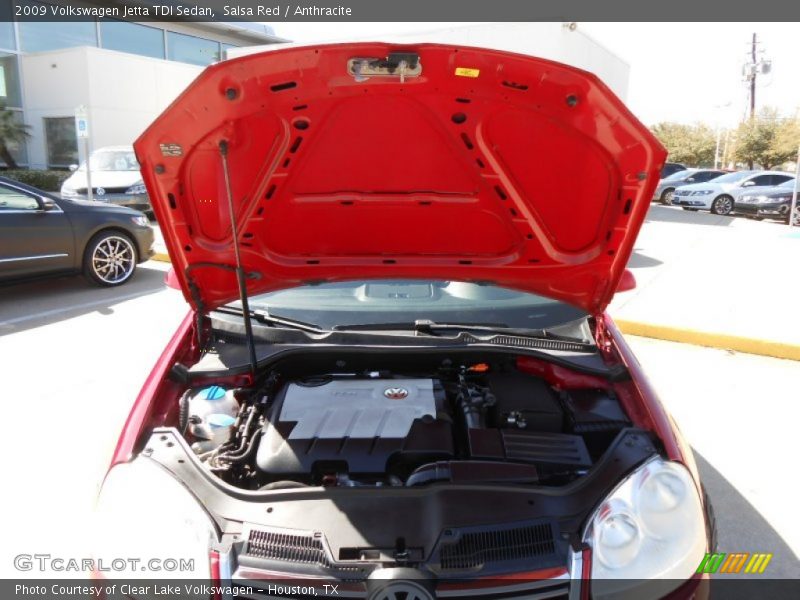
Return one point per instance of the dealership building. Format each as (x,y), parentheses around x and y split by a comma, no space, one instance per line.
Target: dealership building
(124,73)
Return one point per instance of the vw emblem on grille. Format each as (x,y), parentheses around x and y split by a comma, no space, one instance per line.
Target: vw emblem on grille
(396,393)
(401,590)
(101,191)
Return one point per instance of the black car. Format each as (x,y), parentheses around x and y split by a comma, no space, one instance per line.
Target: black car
(670,168)
(42,235)
(773,204)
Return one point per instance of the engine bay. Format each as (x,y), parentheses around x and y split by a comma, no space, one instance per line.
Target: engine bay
(320,423)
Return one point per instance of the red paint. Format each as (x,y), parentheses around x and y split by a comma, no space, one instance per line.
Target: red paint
(540,181)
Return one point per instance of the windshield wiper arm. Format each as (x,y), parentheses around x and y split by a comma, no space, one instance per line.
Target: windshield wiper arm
(262,316)
(432,327)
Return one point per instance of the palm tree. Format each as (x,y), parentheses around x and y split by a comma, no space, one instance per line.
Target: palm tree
(11,132)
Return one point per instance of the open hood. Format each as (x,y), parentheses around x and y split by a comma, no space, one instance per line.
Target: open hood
(371,160)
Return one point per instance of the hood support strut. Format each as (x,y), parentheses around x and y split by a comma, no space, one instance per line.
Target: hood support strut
(248,324)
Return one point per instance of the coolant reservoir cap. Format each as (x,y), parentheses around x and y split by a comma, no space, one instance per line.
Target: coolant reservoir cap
(220,420)
(214,392)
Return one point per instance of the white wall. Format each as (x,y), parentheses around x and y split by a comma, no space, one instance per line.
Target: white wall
(123,93)
(553,41)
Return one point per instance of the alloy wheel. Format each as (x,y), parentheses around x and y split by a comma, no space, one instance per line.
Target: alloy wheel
(113,259)
(723,205)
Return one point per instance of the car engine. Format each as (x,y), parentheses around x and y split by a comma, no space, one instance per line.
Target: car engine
(470,423)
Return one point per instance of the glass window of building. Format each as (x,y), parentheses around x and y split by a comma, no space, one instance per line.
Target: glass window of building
(9,81)
(7,41)
(132,38)
(190,49)
(16,147)
(61,141)
(38,36)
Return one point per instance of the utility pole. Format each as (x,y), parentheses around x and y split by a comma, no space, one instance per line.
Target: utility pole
(753,79)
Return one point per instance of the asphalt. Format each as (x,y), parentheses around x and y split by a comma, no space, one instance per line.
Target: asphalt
(708,280)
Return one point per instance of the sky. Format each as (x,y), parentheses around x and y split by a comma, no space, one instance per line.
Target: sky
(683,72)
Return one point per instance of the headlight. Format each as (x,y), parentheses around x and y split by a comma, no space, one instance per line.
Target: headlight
(144,514)
(141,221)
(702,192)
(68,191)
(652,527)
(136,189)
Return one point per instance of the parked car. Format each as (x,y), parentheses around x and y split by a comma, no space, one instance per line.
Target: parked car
(115,179)
(670,168)
(417,362)
(666,187)
(44,235)
(720,194)
(773,203)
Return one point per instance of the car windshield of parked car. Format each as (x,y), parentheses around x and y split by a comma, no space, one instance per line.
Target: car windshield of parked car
(112,160)
(733,177)
(405,301)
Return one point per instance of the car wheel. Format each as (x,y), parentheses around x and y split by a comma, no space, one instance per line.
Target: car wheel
(110,258)
(722,205)
(667,196)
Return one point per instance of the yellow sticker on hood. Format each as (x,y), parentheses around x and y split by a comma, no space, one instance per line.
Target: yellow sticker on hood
(467,72)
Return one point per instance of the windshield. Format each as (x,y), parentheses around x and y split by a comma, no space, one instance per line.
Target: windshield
(679,175)
(112,160)
(405,301)
(733,177)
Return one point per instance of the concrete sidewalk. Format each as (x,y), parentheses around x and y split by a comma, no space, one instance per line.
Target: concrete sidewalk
(723,282)
(714,281)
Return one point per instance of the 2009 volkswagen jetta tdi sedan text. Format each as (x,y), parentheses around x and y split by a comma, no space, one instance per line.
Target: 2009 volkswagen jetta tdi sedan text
(397,375)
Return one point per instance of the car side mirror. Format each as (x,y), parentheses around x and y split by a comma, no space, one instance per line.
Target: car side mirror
(171,279)
(73,168)
(627,282)
(748,183)
(691,179)
(46,203)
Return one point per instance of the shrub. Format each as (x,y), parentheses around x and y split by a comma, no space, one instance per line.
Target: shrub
(47,180)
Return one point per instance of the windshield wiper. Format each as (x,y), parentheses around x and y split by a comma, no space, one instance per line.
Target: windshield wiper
(262,316)
(432,328)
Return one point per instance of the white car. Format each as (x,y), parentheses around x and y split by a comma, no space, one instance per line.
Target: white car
(720,194)
(116,179)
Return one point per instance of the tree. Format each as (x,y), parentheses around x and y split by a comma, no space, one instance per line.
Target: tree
(767,140)
(12,132)
(694,145)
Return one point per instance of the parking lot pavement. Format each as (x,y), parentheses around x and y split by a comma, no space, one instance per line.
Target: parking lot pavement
(737,412)
(74,357)
(720,281)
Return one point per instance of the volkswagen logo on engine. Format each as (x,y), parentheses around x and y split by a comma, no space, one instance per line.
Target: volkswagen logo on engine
(396,393)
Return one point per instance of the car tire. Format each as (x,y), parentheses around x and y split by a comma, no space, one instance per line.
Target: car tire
(666,196)
(722,205)
(110,259)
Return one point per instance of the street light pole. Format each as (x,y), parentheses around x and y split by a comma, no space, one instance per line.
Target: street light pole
(794,193)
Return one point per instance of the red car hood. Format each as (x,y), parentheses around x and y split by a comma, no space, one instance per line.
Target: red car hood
(485,166)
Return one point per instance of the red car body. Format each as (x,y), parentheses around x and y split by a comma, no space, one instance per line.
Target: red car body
(486,166)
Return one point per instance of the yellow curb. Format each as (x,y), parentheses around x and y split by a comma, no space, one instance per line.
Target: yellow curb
(710,339)
(161,257)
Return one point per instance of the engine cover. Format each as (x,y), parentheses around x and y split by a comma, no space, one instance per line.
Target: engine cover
(354,425)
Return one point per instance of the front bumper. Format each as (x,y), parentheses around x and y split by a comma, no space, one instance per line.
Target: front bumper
(772,209)
(145,238)
(693,201)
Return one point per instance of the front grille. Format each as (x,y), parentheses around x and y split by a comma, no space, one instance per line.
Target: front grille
(287,547)
(106,190)
(476,548)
